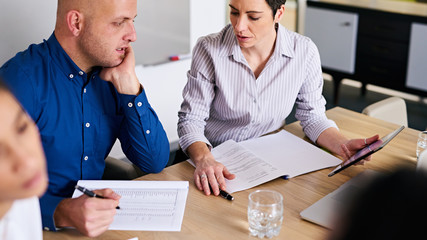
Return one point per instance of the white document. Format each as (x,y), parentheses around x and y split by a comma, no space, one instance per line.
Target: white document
(145,205)
(260,160)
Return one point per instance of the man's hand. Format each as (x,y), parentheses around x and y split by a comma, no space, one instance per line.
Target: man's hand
(123,76)
(90,216)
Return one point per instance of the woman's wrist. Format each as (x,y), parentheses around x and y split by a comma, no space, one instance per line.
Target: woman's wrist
(198,152)
(332,140)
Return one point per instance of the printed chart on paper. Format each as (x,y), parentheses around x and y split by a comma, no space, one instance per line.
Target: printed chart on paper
(145,205)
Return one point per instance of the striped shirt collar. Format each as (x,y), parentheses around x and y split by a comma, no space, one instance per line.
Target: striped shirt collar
(284,44)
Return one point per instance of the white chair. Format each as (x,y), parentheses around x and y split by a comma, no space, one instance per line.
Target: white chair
(392,109)
(116,169)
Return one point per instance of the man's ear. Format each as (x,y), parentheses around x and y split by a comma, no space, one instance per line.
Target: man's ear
(74,22)
(279,14)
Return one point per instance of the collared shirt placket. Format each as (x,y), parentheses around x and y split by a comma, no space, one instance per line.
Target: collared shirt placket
(88,129)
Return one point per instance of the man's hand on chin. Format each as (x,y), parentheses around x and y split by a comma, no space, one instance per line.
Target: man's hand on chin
(123,76)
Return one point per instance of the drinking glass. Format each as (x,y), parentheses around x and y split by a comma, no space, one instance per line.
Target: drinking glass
(422,142)
(265,213)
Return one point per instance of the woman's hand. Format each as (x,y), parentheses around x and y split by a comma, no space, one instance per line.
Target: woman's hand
(352,146)
(208,171)
(334,141)
(211,173)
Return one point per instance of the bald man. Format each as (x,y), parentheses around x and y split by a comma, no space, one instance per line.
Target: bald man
(81,89)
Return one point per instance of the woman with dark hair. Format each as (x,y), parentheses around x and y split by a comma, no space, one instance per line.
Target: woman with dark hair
(23,175)
(244,82)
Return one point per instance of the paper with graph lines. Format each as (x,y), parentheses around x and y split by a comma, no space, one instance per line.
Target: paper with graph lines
(145,205)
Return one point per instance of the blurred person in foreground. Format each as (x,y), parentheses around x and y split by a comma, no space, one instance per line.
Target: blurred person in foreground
(391,207)
(23,175)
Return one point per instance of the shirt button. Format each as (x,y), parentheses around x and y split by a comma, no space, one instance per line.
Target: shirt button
(148,131)
(87,125)
(254,100)
(139,104)
(84,90)
(130,105)
(81,73)
(93,77)
(71,75)
(86,158)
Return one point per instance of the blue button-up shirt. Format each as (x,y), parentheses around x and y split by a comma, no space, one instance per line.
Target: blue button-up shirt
(79,118)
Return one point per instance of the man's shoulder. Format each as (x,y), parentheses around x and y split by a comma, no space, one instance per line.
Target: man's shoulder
(26,73)
(30,59)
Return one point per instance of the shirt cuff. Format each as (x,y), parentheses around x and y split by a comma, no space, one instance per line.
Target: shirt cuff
(313,131)
(132,103)
(188,139)
(48,204)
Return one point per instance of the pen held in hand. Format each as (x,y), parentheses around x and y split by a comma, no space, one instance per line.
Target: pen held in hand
(89,193)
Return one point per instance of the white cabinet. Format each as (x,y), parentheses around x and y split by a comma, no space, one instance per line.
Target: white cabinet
(335,34)
(417,72)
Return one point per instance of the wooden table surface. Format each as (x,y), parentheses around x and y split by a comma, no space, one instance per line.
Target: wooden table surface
(216,218)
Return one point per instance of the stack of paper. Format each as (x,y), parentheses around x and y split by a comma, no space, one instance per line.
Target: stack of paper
(145,205)
(260,160)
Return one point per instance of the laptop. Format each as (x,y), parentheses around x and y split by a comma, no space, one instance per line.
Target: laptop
(324,211)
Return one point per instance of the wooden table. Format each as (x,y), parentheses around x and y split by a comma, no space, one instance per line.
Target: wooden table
(216,218)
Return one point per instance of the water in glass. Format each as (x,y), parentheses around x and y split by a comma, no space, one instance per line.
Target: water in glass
(422,142)
(265,213)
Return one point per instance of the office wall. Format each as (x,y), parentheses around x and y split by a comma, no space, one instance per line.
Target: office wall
(23,22)
(170,27)
(163,29)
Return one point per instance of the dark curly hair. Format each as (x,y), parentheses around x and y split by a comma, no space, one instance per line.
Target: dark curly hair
(275,5)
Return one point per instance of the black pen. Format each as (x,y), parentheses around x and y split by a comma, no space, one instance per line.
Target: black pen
(226,195)
(223,194)
(90,193)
